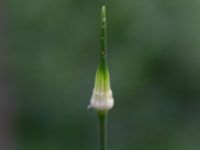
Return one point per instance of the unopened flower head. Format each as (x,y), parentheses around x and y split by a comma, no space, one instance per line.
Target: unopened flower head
(102,98)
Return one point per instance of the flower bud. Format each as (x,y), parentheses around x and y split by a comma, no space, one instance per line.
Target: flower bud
(102,98)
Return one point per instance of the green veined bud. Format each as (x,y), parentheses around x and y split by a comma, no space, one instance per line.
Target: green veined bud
(102,98)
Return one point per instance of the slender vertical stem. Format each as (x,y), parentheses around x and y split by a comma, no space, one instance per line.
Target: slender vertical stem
(103,130)
(103,37)
(104,68)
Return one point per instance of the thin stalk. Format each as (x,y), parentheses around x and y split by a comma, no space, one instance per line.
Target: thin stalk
(103,130)
(104,68)
(103,38)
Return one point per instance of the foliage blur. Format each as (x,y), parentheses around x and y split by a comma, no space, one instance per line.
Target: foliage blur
(154,60)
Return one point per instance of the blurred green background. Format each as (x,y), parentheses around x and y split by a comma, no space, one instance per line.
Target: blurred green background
(154,60)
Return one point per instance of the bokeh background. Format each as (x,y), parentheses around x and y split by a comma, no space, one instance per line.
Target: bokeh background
(49,54)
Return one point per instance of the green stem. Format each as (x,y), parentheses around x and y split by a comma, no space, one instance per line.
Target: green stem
(103,130)
(103,37)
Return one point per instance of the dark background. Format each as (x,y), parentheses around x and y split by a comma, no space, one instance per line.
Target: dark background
(49,54)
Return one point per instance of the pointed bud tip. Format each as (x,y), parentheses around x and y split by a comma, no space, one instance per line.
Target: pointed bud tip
(103,8)
(103,11)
